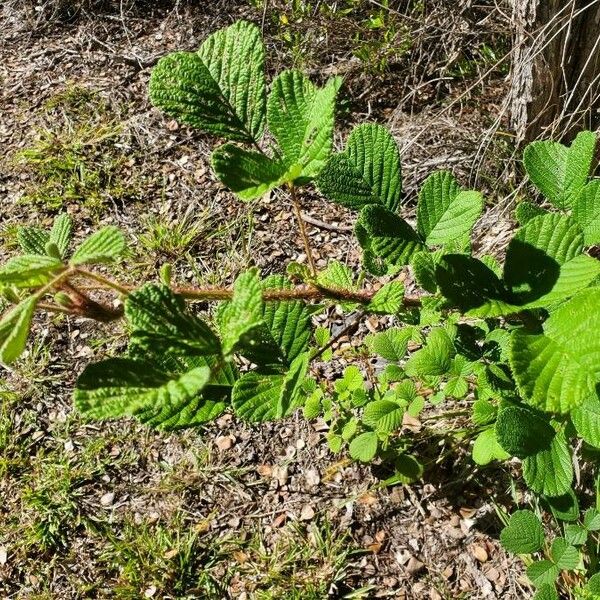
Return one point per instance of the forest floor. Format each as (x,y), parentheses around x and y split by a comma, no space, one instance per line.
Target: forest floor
(115,510)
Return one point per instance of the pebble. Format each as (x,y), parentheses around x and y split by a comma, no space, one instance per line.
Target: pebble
(107,499)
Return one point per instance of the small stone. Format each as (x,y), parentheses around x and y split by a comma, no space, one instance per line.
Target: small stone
(307,513)
(107,499)
(224,442)
(69,447)
(264,470)
(3,555)
(414,566)
(149,593)
(479,553)
(312,477)
(300,443)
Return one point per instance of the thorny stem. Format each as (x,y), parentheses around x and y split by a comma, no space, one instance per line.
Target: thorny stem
(104,280)
(302,227)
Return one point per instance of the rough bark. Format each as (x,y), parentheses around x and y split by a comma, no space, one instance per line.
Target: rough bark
(555,76)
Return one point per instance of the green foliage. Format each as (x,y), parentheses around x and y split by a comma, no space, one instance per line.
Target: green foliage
(523,534)
(220,88)
(516,344)
(444,213)
(558,369)
(121,386)
(104,246)
(367,172)
(301,117)
(560,172)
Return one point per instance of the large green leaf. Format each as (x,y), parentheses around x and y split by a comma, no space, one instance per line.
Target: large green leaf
(586,211)
(106,245)
(435,358)
(289,321)
(119,386)
(522,432)
(14,328)
(387,236)
(367,172)
(390,344)
(523,534)
(444,213)
(219,89)
(29,270)
(364,446)
(301,117)
(160,321)
(61,233)
(550,471)
(560,172)
(536,253)
(586,419)
(262,397)
(471,285)
(384,415)
(559,368)
(32,240)
(248,173)
(242,316)
(486,448)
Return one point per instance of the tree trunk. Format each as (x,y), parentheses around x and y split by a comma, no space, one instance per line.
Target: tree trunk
(555,73)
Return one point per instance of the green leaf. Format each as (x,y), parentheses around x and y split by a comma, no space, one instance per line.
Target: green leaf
(593,585)
(336,275)
(484,412)
(106,245)
(444,213)
(586,419)
(119,386)
(32,240)
(390,344)
(389,300)
(536,253)
(383,415)
(471,285)
(575,535)
(523,534)
(522,432)
(247,173)
(29,270)
(352,380)
(435,358)
(560,172)
(387,236)
(14,329)
(219,89)
(364,446)
(367,172)
(61,233)
(550,472)
(291,386)
(591,519)
(565,507)
(526,211)
(301,117)
(407,469)
(565,556)
(586,211)
(546,591)
(289,321)
(257,397)
(423,266)
(542,573)
(241,317)
(559,368)
(160,321)
(486,448)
